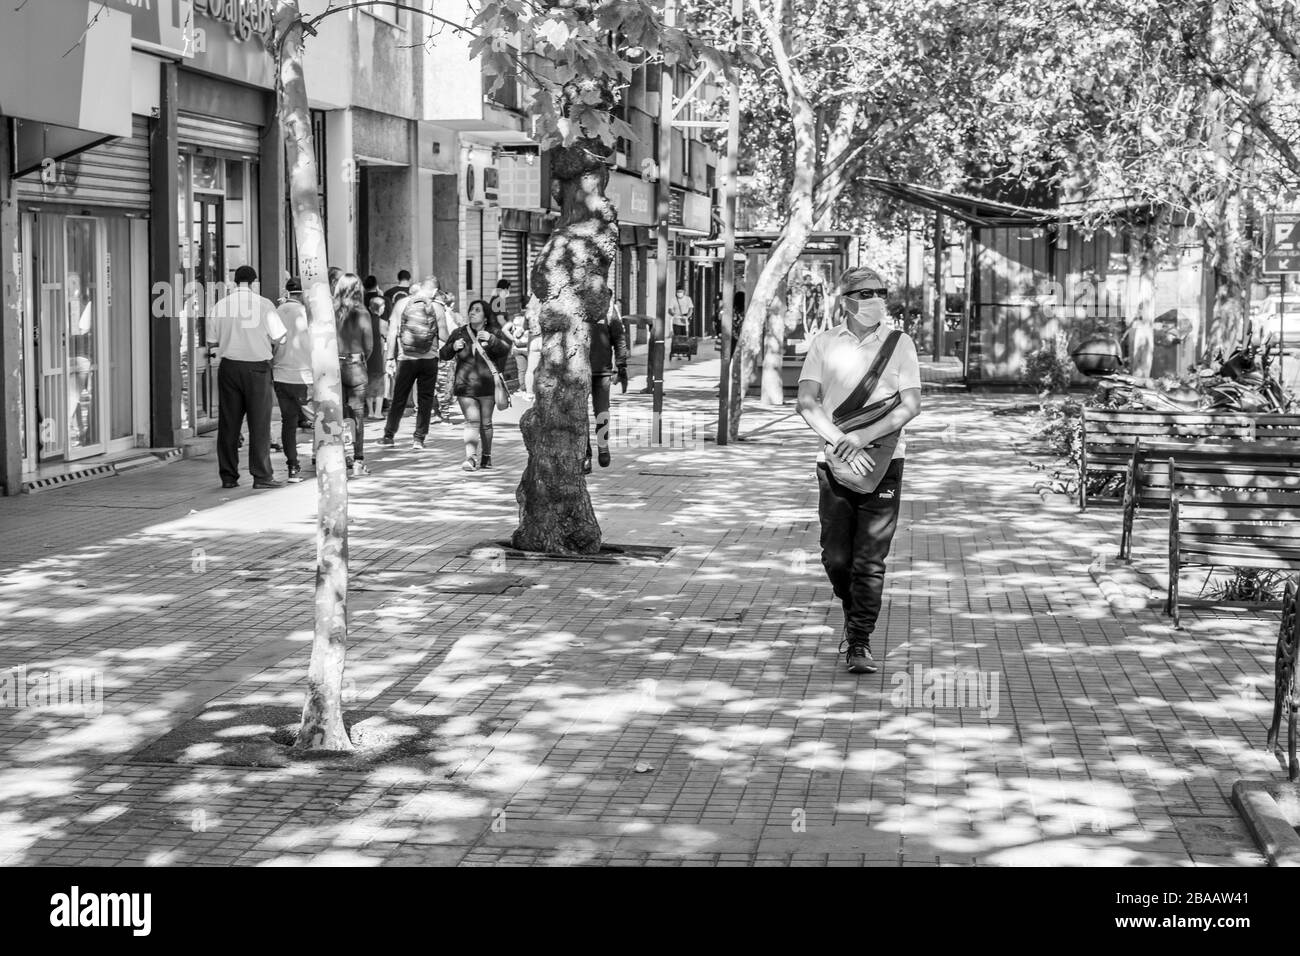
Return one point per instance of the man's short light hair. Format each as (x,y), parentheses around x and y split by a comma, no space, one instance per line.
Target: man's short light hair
(428,286)
(859,277)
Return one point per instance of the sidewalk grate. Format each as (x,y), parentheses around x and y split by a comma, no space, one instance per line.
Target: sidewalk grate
(72,477)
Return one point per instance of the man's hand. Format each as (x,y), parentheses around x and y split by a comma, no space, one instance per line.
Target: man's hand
(851,449)
(391,366)
(622,376)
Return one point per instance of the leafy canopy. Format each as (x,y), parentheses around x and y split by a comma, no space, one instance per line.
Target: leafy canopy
(574,57)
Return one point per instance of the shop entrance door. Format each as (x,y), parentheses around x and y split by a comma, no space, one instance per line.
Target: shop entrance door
(208,223)
(68,335)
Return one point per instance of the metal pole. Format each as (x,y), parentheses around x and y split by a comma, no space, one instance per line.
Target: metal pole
(662,206)
(938,286)
(730,168)
(907,269)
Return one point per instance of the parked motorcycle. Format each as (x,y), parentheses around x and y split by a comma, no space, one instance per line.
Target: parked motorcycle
(1239,382)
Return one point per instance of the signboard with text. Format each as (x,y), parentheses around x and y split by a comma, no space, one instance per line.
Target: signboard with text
(163,25)
(1282,243)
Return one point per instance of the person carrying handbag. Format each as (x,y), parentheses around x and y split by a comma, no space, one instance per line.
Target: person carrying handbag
(478,353)
(356,341)
(860,384)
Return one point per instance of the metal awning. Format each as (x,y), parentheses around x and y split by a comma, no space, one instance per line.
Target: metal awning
(975,210)
(747,241)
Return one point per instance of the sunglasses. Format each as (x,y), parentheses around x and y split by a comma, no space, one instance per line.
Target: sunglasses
(867,293)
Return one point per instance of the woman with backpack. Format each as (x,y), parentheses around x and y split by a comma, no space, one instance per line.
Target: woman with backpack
(478,352)
(356,341)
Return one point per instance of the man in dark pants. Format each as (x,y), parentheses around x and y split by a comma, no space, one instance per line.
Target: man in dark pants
(858,526)
(291,374)
(418,325)
(609,351)
(244,327)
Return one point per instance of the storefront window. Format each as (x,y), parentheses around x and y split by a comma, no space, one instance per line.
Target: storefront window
(238,251)
(217,228)
(118,303)
(207,173)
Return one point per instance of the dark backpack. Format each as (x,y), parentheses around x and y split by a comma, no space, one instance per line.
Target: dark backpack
(419,331)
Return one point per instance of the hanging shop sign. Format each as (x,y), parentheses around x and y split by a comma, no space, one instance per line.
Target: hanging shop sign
(166,26)
(246,18)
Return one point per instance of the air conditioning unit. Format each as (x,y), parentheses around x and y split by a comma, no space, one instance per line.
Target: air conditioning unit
(481,181)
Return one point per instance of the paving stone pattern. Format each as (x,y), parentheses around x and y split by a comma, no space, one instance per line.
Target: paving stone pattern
(691,712)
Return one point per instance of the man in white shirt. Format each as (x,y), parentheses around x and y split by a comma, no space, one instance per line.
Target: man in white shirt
(680,312)
(857,527)
(244,327)
(291,373)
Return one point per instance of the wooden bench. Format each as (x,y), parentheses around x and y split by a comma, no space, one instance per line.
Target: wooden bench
(1237,516)
(1107,436)
(1147,483)
(1286,692)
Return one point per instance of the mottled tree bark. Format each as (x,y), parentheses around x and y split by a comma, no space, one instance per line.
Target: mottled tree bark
(571,280)
(322,725)
(754,337)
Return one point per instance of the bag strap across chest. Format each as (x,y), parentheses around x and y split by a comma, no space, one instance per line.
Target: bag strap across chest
(869,381)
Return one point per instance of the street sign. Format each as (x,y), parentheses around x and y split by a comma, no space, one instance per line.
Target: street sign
(1282,238)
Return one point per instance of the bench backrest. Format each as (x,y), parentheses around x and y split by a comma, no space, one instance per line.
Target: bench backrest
(1152,461)
(1109,427)
(1244,515)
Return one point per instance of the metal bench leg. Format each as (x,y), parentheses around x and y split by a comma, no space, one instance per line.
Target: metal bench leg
(1286,693)
(1126,532)
(1171,603)
(1130,504)
(1279,697)
(1293,767)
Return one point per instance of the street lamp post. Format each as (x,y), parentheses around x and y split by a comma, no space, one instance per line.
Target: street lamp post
(663,203)
(730,169)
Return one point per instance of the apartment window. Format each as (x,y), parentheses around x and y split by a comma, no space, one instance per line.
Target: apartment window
(506,96)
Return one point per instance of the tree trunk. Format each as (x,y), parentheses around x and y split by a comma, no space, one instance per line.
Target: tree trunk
(772,392)
(1227,320)
(798,225)
(1234,155)
(1149,250)
(322,725)
(571,281)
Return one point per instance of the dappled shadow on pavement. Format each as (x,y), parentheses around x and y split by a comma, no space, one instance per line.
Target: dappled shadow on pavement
(687,712)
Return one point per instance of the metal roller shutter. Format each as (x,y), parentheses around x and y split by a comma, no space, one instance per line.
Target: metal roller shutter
(219,134)
(115,173)
(535,243)
(512,267)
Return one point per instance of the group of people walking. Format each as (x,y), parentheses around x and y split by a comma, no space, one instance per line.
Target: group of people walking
(391,344)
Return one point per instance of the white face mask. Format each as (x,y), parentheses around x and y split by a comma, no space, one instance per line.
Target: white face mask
(869,312)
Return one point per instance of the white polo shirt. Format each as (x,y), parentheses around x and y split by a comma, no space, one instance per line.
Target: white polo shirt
(244,326)
(838,360)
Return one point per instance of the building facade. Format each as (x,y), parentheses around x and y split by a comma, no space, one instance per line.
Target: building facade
(143,162)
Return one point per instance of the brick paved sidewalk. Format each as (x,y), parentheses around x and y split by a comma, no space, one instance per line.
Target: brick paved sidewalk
(1110,740)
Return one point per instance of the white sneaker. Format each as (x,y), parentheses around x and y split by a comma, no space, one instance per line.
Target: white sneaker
(359,469)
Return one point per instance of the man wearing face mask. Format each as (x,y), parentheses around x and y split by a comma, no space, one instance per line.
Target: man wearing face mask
(859,494)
